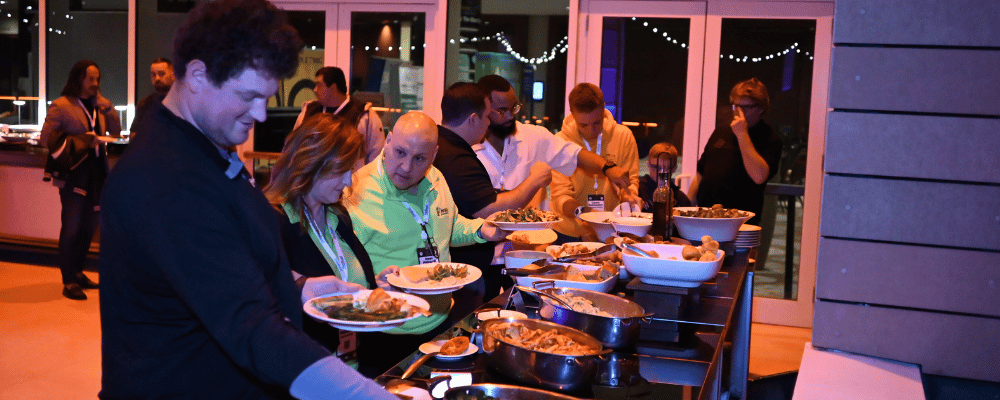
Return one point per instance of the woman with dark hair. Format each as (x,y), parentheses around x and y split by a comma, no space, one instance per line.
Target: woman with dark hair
(76,126)
(306,184)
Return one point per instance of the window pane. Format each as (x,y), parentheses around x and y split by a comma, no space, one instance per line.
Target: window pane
(644,65)
(387,61)
(19,73)
(525,46)
(71,37)
(779,54)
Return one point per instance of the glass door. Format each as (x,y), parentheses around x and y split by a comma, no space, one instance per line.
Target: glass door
(787,47)
(673,64)
(647,58)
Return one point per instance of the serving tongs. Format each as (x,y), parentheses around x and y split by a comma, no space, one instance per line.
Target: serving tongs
(596,252)
(544,268)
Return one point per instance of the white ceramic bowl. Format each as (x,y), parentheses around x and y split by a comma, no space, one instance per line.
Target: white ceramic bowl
(520,258)
(596,219)
(720,229)
(635,225)
(665,272)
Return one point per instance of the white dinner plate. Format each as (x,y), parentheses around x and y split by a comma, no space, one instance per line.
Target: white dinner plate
(409,277)
(433,346)
(363,326)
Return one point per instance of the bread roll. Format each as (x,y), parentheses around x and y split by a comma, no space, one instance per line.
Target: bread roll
(455,346)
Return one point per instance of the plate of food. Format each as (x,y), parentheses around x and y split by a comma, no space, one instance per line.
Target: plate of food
(524,219)
(452,349)
(434,278)
(366,310)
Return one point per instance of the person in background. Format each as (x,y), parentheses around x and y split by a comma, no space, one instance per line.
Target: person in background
(404,214)
(512,148)
(161,75)
(591,126)
(306,185)
(332,97)
(465,109)
(76,125)
(740,158)
(198,297)
(666,154)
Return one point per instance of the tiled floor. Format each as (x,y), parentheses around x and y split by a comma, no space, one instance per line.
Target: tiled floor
(50,345)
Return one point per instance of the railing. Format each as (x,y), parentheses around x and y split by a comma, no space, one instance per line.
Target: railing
(788,194)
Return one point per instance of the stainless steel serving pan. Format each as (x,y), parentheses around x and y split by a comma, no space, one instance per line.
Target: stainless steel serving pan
(548,370)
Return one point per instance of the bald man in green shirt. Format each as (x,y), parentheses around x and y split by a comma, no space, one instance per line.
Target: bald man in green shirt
(404,214)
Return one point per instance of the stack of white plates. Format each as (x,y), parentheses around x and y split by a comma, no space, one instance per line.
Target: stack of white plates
(748,236)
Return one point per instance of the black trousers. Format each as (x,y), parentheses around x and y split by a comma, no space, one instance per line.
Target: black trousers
(79,222)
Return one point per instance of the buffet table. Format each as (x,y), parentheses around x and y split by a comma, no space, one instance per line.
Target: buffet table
(709,361)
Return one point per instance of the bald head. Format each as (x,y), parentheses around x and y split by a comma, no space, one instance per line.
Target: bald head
(410,149)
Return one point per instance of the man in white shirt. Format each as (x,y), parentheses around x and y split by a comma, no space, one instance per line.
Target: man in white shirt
(511,148)
(331,97)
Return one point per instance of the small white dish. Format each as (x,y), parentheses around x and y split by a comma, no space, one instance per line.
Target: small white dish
(435,345)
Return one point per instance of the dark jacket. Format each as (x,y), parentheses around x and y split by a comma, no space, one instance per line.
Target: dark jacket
(197,295)
(76,164)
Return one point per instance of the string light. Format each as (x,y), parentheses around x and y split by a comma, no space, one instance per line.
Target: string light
(546,56)
(794,47)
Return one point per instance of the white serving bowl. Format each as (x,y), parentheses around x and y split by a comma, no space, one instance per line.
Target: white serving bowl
(720,229)
(635,225)
(520,258)
(596,219)
(665,272)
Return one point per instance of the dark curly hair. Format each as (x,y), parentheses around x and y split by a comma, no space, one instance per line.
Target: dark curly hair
(230,36)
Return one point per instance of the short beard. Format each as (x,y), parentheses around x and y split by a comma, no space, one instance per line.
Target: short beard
(161,88)
(504,130)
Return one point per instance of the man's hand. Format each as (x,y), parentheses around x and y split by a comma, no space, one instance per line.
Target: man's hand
(739,123)
(103,103)
(323,285)
(381,279)
(491,232)
(618,176)
(540,174)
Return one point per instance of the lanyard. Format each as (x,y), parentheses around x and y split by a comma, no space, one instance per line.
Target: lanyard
(587,143)
(338,257)
(422,221)
(90,118)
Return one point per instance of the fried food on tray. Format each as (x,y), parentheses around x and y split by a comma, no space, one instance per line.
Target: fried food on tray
(377,307)
(529,214)
(457,345)
(543,340)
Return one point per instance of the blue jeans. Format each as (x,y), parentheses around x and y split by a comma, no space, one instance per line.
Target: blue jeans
(79,221)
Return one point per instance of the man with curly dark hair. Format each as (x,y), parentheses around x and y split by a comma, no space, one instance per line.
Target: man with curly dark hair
(198,298)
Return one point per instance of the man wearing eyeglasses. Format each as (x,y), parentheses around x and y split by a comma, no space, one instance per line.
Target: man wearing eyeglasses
(739,160)
(511,148)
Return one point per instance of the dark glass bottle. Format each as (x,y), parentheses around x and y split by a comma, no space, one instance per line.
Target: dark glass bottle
(663,204)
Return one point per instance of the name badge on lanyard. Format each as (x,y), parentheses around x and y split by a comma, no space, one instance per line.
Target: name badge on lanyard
(595,201)
(429,252)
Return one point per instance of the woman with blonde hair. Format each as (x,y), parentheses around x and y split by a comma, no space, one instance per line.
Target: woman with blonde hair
(306,184)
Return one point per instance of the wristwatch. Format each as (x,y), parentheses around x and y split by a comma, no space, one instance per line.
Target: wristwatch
(608,165)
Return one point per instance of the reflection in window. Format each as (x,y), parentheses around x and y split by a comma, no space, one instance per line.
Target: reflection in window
(284,107)
(387,61)
(19,70)
(527,47)
(780,54)
(644,64)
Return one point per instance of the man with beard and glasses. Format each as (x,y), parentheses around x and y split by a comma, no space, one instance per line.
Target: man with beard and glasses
(161,75)
(511,147)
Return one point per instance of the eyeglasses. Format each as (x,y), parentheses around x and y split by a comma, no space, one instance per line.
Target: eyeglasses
(512,110)
(746,106)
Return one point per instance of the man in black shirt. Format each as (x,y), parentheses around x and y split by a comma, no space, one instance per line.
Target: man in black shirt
(739,160)
(161,75)
(465,110)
